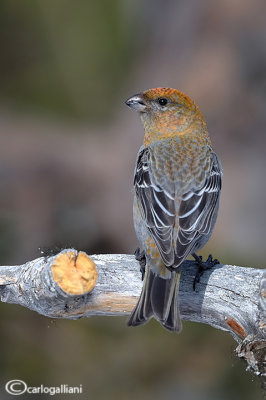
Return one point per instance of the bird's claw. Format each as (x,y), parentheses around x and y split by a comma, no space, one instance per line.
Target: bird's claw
(203,266)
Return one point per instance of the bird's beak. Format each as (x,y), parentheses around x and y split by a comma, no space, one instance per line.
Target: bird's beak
(136,102)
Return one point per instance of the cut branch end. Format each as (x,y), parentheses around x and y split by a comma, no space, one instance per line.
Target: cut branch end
(76,274)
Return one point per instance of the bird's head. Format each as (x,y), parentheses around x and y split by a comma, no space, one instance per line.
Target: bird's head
(165,112)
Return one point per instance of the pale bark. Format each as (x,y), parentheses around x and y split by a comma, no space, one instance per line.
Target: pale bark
(228,297)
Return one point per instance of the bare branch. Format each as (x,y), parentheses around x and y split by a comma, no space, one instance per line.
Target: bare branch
(228,297)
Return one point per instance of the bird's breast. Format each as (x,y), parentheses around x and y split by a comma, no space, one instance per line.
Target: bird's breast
(179,165)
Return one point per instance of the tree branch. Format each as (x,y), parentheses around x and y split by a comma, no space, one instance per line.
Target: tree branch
(228,297)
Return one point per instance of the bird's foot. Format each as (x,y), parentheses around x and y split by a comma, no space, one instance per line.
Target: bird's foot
(203,266)
(141,258)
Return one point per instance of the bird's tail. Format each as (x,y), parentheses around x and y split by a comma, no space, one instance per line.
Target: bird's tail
(158,299)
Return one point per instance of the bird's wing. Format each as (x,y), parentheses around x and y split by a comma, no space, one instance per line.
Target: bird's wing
(198,211)
(157,208)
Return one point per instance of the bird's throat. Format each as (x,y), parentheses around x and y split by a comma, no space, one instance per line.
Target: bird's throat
(163,130)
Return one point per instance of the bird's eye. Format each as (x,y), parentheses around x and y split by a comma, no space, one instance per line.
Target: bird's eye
(162,101)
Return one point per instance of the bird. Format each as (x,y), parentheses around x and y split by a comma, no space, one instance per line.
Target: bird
(177,185)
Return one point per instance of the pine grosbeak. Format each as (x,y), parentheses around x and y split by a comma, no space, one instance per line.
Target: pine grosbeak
(177,188)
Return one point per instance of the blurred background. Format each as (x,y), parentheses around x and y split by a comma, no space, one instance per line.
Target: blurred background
(67,154)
